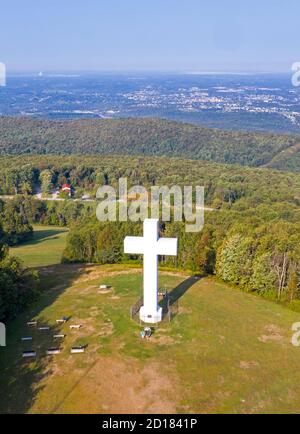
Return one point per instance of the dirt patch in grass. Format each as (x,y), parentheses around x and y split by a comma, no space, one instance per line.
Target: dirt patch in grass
(158,389)
(163,340)
(274,334)
(88,289)
(94,311)
(87,328)
(122,386)
(107,329)
(95,272)
(104,291)
(175,273)
(248,364)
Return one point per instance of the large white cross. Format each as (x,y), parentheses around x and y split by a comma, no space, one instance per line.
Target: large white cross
(150,245)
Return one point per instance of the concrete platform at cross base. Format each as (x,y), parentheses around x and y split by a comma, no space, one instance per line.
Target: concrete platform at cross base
(150,317)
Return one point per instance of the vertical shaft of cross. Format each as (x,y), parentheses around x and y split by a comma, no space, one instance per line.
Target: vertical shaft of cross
(150,283)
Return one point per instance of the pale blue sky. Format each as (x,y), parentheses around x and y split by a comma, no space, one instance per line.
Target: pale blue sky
(171,35)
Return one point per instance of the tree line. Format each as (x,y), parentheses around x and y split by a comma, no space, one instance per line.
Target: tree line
(224,184)
(144,136)
(18,286)
(258,254)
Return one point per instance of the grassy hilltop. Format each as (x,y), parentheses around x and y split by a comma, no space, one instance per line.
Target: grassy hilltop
(224,351)
(45,247)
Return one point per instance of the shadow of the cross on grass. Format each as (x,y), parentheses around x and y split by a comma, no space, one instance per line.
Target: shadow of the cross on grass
(182,288)
(169,303)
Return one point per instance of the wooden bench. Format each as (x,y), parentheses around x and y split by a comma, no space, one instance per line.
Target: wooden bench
(52,351)
(63,319)
(79,349)
(29,353)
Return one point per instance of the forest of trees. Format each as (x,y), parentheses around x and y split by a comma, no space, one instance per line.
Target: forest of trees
(15,225)
(255,217)
(223,183)
(145,136)
(18,286)
(19,213)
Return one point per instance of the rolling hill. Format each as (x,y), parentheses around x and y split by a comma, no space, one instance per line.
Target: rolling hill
(155,137)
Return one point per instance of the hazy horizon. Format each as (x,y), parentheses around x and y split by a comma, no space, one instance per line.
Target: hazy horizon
(77,72)
(172,36)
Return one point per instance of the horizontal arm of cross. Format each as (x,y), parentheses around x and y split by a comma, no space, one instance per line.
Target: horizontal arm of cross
(134,245)
(167,246)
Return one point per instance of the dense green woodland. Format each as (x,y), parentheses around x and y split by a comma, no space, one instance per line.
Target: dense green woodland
(223,183)
(154,137)
(18,286)
(251,239)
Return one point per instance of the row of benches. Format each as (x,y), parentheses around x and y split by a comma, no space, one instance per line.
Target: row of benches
(53,351)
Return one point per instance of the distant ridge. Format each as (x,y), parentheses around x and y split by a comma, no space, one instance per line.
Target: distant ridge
(147,136)
(288,159)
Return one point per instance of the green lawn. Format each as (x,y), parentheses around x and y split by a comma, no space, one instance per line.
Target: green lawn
(44,249)
(224,351)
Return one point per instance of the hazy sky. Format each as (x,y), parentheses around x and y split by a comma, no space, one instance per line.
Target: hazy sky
(185,35)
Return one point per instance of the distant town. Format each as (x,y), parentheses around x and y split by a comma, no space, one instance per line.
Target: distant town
(255,102)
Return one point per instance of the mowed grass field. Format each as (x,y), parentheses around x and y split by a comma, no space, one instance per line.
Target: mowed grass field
(45,248)
(225,351)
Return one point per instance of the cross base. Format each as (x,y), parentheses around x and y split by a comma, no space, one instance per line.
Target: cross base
(150,317)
